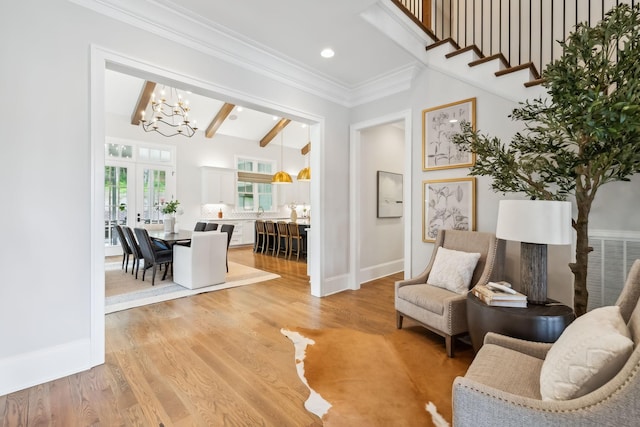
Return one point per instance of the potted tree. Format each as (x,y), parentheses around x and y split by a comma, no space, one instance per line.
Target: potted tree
(585,134)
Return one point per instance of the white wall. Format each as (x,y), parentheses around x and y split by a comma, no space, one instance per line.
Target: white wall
(381,239)
(47,170)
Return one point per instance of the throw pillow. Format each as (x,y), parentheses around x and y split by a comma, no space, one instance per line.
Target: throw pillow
(453,270)
(590,352)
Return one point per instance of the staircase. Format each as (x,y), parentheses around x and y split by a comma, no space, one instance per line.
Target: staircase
(498,45)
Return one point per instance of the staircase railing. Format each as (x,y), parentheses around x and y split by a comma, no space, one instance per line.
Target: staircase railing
(523,31)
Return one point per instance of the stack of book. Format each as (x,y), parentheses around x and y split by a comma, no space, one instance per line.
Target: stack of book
(499,294)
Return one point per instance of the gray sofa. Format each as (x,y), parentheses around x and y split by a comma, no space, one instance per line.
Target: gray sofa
(502,385)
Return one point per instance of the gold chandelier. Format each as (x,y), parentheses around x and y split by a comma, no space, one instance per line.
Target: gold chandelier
(281,177)
(169,119)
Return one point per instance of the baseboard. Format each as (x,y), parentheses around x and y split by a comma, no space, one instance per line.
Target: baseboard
(335,284)
(381,270)
(29,369)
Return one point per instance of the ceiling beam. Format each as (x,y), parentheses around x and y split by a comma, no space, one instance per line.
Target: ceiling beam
(273,132)
(306,149)
(143,101)
(217,121)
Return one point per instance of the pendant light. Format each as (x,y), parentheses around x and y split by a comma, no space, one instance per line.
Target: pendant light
(281,177)
(305,173)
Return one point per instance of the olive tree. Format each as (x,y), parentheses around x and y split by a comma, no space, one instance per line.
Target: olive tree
(582,135)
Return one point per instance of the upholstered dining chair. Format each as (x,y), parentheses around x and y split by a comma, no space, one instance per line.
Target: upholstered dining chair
(210,226)
(200,264)
(437,308)
(590,377)
(200,226)
(227,228)
(153,257)
(126,249)
(135,249)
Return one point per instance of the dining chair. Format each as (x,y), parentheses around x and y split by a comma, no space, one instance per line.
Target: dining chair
(200,226)
(261,233)
(152,256)
(126,250)
(135,249)
(271,237)
(210,226)
(283,237)
(227,228)
(294,235)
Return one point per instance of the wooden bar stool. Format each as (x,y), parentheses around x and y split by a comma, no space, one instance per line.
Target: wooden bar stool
(271,237)
(294,234)
(261,236)
(283,237)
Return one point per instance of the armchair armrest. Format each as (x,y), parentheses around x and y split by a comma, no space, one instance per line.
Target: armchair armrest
(535,349)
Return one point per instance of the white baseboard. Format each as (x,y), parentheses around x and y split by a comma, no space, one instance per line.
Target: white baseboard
(29,369)
(381,270)
(335,284)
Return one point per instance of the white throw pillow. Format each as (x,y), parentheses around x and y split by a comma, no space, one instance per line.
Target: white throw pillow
(453,270)
(590,352)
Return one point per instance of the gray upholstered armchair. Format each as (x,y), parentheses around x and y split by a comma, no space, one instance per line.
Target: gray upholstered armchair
(441,310)
(503,384)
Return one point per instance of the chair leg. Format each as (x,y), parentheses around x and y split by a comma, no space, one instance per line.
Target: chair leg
(448,342)
(166,269)
(153,277)
(137,263)
(399,318)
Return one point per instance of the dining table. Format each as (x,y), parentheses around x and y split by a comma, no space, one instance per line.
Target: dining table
(171,239)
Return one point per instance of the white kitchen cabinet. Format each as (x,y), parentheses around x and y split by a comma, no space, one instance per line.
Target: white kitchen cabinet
(248,232)
(218,186)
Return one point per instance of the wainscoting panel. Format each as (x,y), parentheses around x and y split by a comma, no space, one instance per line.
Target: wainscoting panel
(613,254)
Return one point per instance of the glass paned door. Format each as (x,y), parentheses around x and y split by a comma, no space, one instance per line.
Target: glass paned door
(116,195)
(157,186)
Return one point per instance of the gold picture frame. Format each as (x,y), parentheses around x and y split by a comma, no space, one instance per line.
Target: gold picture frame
(448,204)
(438,125)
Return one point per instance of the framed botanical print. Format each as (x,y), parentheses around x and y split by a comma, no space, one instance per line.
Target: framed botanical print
(439,124)
(448,204)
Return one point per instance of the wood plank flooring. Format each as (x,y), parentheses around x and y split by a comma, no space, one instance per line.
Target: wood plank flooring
(219,359)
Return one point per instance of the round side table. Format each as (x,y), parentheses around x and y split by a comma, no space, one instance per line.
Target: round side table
(541,323)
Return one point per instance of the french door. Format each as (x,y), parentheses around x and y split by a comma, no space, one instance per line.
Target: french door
(133,192)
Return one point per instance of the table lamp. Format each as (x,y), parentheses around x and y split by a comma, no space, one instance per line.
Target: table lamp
(536,224)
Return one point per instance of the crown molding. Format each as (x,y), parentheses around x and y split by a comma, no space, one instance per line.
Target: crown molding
(163,17)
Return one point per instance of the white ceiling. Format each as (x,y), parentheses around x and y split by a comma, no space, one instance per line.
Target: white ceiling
(292,31)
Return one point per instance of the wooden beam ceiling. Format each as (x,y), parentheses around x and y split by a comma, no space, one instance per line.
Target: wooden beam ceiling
(306,149)
(273,132)
(217,121)
(143,101)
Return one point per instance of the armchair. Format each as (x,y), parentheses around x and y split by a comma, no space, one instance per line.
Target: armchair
(440,310)
(202,263)
(503,384)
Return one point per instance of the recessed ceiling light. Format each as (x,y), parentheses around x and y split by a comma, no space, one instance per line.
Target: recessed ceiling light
(275,118)
(327,53)
(239,109)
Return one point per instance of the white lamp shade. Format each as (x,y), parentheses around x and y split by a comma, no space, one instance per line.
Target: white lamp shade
(535,221)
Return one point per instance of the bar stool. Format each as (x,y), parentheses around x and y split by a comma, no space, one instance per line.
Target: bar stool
(294,234)
(271,237)
(283,236)
(261,234)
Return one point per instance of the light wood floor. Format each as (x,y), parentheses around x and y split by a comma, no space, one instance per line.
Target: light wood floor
(219,359)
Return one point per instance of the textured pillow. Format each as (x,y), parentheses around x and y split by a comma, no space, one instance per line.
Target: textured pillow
(590,352)
(453,270)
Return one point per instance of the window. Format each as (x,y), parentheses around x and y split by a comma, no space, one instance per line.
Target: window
(254,190)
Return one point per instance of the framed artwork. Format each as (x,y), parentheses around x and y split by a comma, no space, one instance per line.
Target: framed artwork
(389,195)
(448,204)
(438,126)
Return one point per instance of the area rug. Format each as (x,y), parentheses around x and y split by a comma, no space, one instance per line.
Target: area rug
(123,291)
(358,379)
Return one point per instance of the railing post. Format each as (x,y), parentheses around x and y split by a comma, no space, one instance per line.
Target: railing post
(426,14)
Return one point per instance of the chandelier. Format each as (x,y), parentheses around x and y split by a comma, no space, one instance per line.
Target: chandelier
(169,118)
